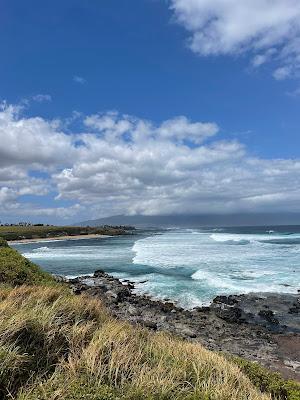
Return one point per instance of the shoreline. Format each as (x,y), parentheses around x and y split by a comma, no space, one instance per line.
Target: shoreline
(59,238)
(260,327)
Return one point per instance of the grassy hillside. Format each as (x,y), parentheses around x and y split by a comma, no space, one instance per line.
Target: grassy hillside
(55,345)
(17,270)
(34,232)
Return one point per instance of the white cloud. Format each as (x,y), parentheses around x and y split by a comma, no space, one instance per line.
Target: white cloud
(282,73)
(176,129)
(79,79)
(13,210)
(7,195)
(181,128)
(41,98)
(31,141)
(266,29)
(129,165)
(109,123)
(263,58)
(294,93)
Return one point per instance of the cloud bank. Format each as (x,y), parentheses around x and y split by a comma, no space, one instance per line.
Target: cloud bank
(121,164)
(268,30)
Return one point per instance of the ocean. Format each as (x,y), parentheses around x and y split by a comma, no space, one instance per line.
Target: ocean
(187,265)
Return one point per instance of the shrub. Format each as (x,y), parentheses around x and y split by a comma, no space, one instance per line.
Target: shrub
(268,381)
(16,270)
(3,242)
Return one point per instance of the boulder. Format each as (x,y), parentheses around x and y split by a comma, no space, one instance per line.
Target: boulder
(268,315)
(99,273)
(229,313)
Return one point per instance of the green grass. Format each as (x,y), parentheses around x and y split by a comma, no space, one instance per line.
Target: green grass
(17,270)
(268,381)
(3,242)
(55,345)
(36,232)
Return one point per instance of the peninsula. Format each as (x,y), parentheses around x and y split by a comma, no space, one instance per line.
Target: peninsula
(47,232)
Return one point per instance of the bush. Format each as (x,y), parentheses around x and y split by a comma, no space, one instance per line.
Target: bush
(79,389)
(268,381)
(16,270)
(3,242)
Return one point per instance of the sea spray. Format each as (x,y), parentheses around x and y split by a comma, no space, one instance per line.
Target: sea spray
(190,266)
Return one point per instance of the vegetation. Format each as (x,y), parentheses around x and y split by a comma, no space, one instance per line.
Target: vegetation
(68,347)
(268,381)
(55,345)
(37,232)
(3,242)
(17,270)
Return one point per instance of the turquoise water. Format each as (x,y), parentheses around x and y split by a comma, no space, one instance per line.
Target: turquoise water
(190,266)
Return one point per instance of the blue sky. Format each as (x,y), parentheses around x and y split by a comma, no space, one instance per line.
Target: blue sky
(153,60)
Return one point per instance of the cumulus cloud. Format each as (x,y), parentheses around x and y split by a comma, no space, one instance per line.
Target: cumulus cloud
(14,209)
(7,195)
(122,164)
(181,128)
(31,141)
(136,130)
(266,29)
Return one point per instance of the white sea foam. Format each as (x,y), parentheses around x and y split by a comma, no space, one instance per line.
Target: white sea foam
(35,241)
(42,249)
(255,238)
(189,266)
(76,276)
(219,266)
(232,284)
(70,252)
(213,279)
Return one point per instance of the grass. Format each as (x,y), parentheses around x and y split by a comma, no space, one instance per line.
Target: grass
(17,270)
(35,232)
(58,346)
(3,242)
(55,345)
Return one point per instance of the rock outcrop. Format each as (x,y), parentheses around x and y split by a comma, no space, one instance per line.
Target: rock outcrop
(261,327)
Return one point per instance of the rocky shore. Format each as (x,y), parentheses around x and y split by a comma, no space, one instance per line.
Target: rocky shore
(263,327)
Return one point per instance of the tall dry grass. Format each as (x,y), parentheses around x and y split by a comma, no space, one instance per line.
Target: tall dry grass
(57,346)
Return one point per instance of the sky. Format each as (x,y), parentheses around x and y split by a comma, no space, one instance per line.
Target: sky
(150,107)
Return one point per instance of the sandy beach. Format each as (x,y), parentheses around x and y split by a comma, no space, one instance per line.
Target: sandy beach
(55,238)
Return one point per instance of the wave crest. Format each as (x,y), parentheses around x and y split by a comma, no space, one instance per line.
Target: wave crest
(229,239)
(42,249)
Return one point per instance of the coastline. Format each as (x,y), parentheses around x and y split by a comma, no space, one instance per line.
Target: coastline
(58,238)
(261,327)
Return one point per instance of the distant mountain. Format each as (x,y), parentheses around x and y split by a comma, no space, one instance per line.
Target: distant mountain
(197,220)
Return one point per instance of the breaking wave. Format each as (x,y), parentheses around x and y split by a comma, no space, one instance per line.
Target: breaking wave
(229,238)
(42,249)
(190,266)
